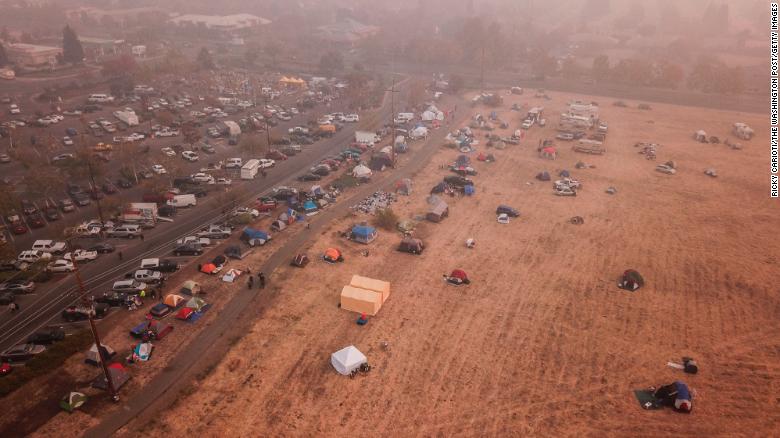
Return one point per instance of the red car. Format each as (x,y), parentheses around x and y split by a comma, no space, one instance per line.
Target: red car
(18,227)
(274,154)
(266,204)
(36,220)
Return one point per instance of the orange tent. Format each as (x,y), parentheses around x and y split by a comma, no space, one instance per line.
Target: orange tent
(208,268)
(333,255)
(173,300)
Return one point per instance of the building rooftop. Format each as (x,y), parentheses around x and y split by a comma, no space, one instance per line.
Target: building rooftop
(231,21)
(32,48)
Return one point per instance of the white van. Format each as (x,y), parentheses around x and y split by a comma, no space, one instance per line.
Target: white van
(181,201)
(100,98)
(33,256)
(49,246)
(234,163)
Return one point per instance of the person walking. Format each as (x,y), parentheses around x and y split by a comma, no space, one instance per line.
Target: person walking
(13,307)
(142,237)
(261,279)
(120,255)
(250,282)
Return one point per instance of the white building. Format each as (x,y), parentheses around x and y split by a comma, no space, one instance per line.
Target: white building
(220,22)
(139,51)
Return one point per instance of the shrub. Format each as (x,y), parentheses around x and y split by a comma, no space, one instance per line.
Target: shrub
(386,219)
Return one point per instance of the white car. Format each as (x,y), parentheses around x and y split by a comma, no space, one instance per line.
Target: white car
(351,118)
(159,169)
(136,136)
(203,241)
(167,133)
(81,255)
(246,210)
(168,152)
(61,265)
(32,256)
(14,109)
(202,178)
(189,155)
(67,141)
(224,181)
(503,218)
(267,162)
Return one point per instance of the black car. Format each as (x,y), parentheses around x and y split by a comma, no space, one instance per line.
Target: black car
(21,353)
(103,248)
(188,249)
(28,207)
(35,220)
(51,213)
(164,265)
(309,177)
(18,286)
(199,193)
(80,313)
(458,181)
(81,199)
(7,298)
(124,183)
(166,210)
(113,299)
(507,210)
(46,336)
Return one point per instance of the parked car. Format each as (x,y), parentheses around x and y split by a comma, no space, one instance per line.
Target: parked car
(61,266)
(81,313)
(202,241)
(161,265)
(102,248)
(51,213)
(81,255)
(113,298)
(146,276)
(129,286)
(32,256)
(46,336)
(188,249)
(7,298)
(35,220)
(22,352)
(509,211)
(309,177)
(125,231)
(18,286)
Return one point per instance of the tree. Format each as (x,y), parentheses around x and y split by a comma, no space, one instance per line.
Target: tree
(601,68)
(205,60)
(71,46)
(3,56)
(122,66)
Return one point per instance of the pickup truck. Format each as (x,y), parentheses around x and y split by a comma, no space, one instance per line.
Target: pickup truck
(215,232)
(298,130)
(146,276)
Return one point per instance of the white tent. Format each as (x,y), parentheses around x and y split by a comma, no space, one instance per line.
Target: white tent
(361,171)
(419,132)
(347,360)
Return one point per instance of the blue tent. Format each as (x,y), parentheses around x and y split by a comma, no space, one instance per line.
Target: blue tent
(468,190)
(254,237)
(363,234)
(564,173)
(309,207)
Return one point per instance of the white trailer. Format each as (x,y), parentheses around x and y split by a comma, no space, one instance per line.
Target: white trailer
(232,128)
(140,212)
(584,110)
(366,137)
(249,169)
(743,131)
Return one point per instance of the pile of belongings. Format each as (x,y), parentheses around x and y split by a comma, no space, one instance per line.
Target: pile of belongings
(543,176)
(142,352)
(675,395)
(648,149)
(332,255)
(404,187)
(631,280)
(300,261)
(711,172)
(611,190)
(457,277)
(378,201)
(215,266)
(489,158)
(406,226)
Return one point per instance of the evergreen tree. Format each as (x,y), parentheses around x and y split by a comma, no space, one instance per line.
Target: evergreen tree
(71,46)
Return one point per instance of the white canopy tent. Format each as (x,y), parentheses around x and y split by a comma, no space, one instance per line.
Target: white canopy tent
(361,171)
(347,360)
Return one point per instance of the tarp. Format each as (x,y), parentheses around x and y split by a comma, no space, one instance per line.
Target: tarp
(419,132)
(360,300)
(173,300)
(92,355)
(231,275)
(380,286)
(73,400)
(310,207)
(361,171)
(347,360)
(363,234)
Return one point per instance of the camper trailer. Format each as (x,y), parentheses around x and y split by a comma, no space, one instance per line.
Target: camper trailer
(249,169)
(743,131)
(589,147)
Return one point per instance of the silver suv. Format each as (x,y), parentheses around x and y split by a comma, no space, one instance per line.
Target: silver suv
(128,231)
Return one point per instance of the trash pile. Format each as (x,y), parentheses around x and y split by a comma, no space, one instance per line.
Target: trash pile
(377,201)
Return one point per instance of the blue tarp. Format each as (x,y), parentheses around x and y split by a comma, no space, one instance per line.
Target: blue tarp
(468,190)
(251,233)
(363,233)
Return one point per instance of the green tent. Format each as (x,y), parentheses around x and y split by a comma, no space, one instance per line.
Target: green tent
(73,401)
(196,304)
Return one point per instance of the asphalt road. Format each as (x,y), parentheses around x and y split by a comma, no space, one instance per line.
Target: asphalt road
(44,306)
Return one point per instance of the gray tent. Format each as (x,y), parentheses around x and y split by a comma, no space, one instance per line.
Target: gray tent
(278,225)
(92,355)
(438,212)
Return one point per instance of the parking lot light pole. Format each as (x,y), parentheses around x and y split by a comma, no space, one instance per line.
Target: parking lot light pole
(86,302)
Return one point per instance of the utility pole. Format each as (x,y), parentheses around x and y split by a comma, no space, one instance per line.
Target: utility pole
(482,70)
(88,158)
(392,91)
(95,335)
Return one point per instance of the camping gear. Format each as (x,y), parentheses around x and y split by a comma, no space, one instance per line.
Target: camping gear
(675,395)
(404,187)
(688,365)
(468,190)
(300,261)
(711,172)
(411,245)
(611,190)
(235,252)
(438,212)
(151,329)
(208,268)
(363,234)
(362,319)
(577,220)
(92,355)
(118,374)
(332,255)
(543,176)
(360,300)
(231,275)
(278,225)
(196,304)
(646,399)
(174,301)
(73,401)
(347,359)
(631,280)
(470,243)
(254,237)
(361,171)
(564,173)
(143,351)
(310,208)
(457,277)
(184,313)
(406,226)
(190,287)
